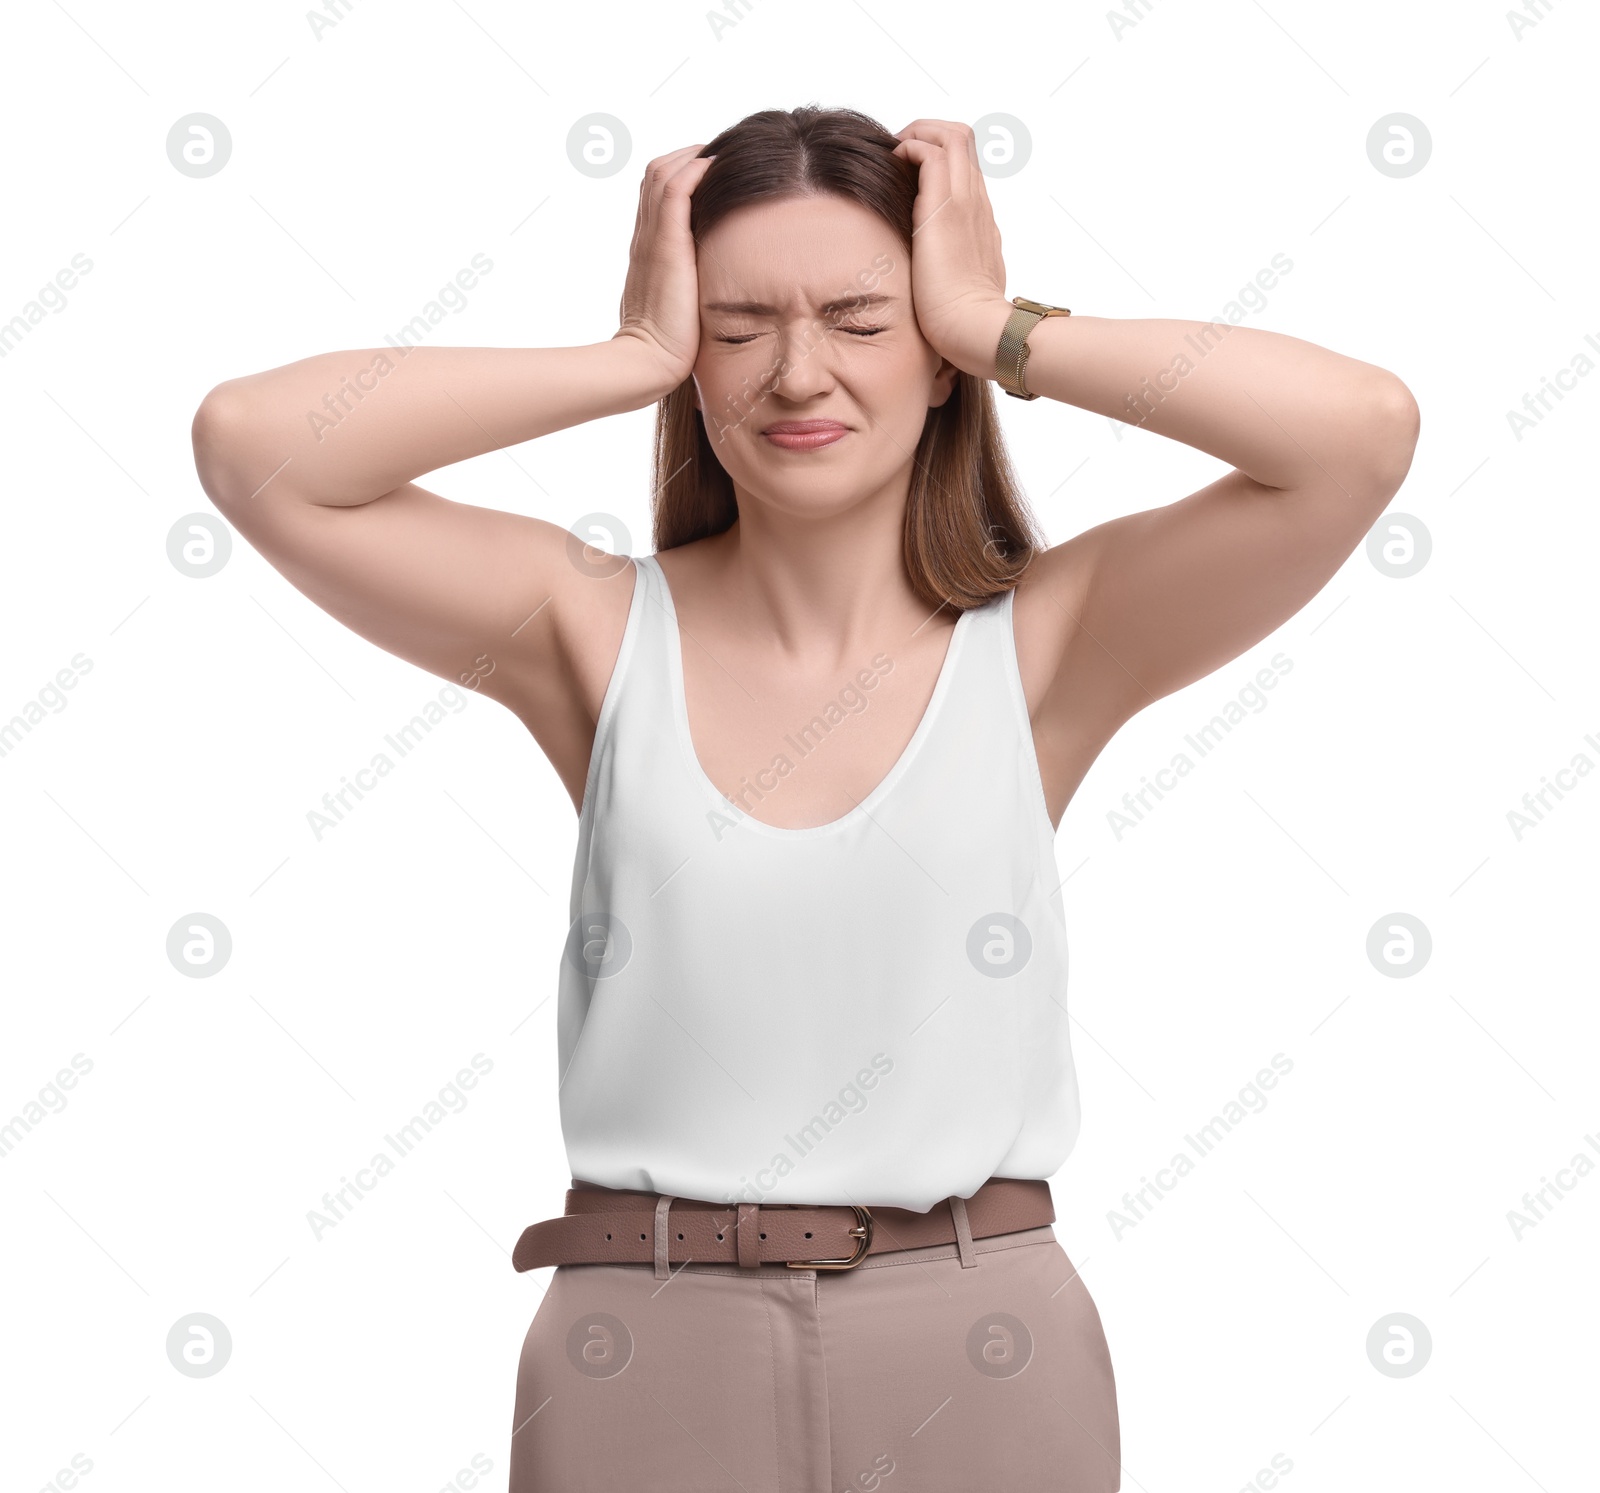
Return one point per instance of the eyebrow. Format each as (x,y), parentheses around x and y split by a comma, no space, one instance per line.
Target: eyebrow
(858,302)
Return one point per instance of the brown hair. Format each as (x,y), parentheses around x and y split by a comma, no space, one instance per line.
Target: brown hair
(969,534)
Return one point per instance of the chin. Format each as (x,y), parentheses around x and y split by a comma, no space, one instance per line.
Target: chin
(810,499)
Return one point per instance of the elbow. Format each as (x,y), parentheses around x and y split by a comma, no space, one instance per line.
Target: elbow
(1392,422)
(214,435)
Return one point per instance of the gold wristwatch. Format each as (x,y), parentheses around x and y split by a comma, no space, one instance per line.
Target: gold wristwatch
(1011,357)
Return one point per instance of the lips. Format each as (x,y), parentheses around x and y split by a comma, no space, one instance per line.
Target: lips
(805,435)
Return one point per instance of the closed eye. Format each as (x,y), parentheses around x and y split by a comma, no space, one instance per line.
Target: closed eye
(854,332)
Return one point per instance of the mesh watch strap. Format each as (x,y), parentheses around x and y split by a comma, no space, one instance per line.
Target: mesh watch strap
(1011,357)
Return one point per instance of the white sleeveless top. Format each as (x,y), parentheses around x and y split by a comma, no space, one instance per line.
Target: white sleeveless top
(871,1010)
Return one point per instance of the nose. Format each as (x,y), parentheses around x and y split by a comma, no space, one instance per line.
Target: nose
(801,369)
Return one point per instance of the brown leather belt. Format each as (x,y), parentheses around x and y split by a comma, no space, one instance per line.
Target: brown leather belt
(614,1226)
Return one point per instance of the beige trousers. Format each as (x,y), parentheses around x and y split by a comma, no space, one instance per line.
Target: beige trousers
(917,1370)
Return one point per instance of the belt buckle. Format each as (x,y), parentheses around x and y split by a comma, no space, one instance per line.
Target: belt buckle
(862,1231)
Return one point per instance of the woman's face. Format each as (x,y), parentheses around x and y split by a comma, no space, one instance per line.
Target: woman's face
(806,315)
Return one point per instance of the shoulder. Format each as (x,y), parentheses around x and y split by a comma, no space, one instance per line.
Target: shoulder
(689,562)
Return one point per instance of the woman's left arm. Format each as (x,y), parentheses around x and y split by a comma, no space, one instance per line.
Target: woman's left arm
(1318,443)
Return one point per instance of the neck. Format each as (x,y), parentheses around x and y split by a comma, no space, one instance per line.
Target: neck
(818,585)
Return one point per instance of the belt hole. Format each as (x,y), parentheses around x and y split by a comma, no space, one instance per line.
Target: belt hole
(763,1236)
(680,1236)
(719,1236)
(642,1236)
(608,1236)
(808,1233)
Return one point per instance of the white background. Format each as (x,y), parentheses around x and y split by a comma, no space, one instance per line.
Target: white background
(1169,163)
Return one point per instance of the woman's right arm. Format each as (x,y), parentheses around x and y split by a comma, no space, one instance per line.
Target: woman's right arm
(344,428)
(481,597)
(314,463)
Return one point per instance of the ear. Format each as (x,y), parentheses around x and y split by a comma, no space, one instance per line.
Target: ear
(944,383)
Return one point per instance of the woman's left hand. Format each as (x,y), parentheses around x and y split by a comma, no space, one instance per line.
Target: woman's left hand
(958,278)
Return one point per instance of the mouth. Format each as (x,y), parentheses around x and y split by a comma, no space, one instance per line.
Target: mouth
(805,435)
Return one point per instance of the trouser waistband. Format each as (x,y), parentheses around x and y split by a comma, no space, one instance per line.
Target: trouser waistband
(615,1226)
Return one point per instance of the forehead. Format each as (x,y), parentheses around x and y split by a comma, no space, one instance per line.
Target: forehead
(799,252)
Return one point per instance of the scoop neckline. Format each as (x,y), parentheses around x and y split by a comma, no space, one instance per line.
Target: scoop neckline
(680,712)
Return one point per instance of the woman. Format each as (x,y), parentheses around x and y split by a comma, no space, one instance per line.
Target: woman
(815,1064)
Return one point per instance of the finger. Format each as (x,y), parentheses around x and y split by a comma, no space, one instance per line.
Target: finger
(654,162)
(979,181)
(660,168)
(929,161)
(679,187)
(691,165)
(658,176)
(663,166)
(913,149)
(922,129)
(958,145)
(942,132)
(933,170)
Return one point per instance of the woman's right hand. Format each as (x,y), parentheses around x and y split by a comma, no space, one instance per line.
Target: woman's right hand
(661,297)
